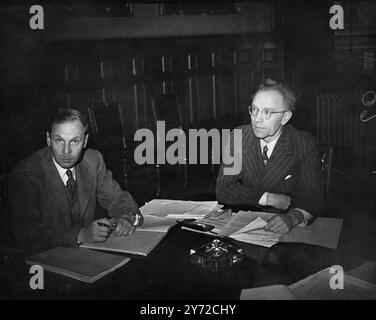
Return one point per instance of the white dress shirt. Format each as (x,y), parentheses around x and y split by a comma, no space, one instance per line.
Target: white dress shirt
(63,172)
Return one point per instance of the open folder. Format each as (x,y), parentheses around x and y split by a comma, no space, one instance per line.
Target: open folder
(142,242)
(139,243)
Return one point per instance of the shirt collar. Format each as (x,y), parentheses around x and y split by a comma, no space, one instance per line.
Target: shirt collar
(271,144)
(62,171)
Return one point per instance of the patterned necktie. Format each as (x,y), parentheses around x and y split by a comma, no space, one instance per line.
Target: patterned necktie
(71,184)
(265,155)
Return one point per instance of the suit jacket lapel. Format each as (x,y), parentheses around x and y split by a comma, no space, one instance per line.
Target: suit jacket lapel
(280,161)
(84,185)
(54,185)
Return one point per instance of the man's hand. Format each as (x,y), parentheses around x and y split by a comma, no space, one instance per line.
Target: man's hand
(277,200)
(95,231)
(281,223)
(124,226)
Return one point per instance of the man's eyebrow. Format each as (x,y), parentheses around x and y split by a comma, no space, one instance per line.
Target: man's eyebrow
(74,138)
(267,108)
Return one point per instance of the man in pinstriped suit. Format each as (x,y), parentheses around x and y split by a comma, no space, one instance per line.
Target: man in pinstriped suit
(280,165)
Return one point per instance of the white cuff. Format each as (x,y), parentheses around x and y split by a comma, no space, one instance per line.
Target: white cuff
(262,201)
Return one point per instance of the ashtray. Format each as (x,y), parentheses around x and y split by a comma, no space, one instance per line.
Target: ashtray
(216,255)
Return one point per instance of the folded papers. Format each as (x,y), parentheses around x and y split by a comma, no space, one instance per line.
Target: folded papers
(258,223)
(179,209)
(248,227)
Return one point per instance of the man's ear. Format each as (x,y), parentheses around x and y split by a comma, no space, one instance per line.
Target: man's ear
(48,139)
(86,138)
(286,117)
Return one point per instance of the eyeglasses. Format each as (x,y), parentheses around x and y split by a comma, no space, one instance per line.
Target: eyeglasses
(266,114)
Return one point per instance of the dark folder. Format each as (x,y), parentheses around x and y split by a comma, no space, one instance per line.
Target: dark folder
(80,264)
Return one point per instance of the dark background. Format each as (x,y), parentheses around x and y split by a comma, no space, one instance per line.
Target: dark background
(212,56)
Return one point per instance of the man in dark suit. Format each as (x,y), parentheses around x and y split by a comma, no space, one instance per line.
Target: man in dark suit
(53,192)
(280,165)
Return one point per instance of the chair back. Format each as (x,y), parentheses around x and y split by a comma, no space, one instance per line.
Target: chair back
(106,120)
(6,236)
(326,156)
(107,130)
(166,107)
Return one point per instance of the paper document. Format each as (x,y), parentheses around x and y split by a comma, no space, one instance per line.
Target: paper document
(139,243)
(276,292)
(247,226)
(241,219)
(366,272)
(322,232)
(179,209)
(317,287)
(155,223)
(258,223)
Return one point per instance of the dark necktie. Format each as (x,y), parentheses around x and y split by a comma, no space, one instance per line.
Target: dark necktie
(265,155)
(71,184)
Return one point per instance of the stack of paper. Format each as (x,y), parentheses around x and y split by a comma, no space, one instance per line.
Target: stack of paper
(318,287)
(356,285)
(276,292)
(179,209)
(322,232)
(242,226)
(249,227)
(156,224)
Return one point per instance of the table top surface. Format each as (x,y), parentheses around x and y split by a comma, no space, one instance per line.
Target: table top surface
(168,273)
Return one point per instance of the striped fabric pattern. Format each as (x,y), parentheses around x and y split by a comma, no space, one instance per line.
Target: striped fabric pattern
(293,169)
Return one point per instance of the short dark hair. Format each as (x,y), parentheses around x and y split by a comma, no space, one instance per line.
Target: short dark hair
(66,115)
(283,89)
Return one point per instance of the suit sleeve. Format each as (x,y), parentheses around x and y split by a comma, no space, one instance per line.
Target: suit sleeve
(308,194)
(229,188)
(29,231)
(109,194)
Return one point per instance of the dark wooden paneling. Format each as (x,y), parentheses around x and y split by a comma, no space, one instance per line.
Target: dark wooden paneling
(212,76)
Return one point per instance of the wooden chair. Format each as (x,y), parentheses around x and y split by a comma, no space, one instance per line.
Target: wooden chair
(5,217)
(166,107)
(107,136)
(326,156)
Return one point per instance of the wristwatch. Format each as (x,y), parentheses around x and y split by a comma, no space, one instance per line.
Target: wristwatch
(136,217)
